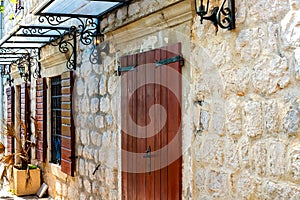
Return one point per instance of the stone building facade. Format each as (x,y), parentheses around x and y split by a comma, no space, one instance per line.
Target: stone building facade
(240,100)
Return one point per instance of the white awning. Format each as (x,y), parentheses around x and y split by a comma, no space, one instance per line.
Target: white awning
(78,8)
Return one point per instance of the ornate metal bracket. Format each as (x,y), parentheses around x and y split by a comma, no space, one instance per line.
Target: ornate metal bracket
(26,61)
(86,28)
(223,16)
(67,44)
(87,31)
(63,38)
(37,72)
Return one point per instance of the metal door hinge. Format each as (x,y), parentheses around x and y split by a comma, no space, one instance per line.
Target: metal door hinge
(170,60)
(125,69)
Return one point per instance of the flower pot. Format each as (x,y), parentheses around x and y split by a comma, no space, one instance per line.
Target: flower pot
(31,187)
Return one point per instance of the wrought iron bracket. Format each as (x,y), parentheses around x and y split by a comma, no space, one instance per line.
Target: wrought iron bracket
(64,38)
(87,30)
(18,57)
(223,16)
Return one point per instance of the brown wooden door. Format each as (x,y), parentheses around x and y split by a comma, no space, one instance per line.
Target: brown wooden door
(151,125)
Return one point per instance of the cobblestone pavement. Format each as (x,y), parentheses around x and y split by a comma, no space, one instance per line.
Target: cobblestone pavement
(6,195)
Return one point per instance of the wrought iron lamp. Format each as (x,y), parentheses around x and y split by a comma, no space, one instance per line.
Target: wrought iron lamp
(223,16)
(99,46)
(22,64)
(98,38)
(5,73)
(21,69)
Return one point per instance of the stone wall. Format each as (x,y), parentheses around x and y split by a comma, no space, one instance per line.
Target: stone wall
(98,94)
(246,100)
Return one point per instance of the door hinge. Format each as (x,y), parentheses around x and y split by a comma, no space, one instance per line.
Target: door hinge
(125,69)
(170,60)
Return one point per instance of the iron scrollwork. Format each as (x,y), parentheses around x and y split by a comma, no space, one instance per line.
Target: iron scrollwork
(225,16)
(86,27)
(35,30)
(63,38)
(86,30)
(67,45)
(53,20)
(67,41)
(35,63)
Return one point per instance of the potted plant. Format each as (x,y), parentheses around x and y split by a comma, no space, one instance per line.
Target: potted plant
(17,167)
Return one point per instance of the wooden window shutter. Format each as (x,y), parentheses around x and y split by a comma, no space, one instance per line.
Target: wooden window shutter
(41,118)
(25,115)
(152,78)
(10,92)
(67,125)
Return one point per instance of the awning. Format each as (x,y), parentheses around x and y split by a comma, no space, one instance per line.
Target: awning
(32,36)
(26,38)
(7,58)
(52,29)
(78,8)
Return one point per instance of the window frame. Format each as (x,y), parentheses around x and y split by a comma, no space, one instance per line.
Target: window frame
(55,112)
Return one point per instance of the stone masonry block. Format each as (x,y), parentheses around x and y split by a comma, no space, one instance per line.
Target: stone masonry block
(233,117)
(244,185)
(95,105)
(276,158)
(270,118)
(102,85)
(212,151)
(258,158)
(216,183)
(93,85)
(231,155)
(252,118)
(272,190)
(293,168)
(134,9)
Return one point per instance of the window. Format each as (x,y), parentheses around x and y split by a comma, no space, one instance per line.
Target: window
(60,124)
(56,120)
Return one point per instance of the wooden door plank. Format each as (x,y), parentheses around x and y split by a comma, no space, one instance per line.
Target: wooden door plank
(141,121)
(174,102)
(132,128)
(157,139)
(150,59)
(130,88)
(124,111)
(164,132)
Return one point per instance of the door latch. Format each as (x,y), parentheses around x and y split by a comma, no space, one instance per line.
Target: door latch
(148,156)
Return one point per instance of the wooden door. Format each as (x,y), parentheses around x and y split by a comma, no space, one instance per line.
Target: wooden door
(151,124)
